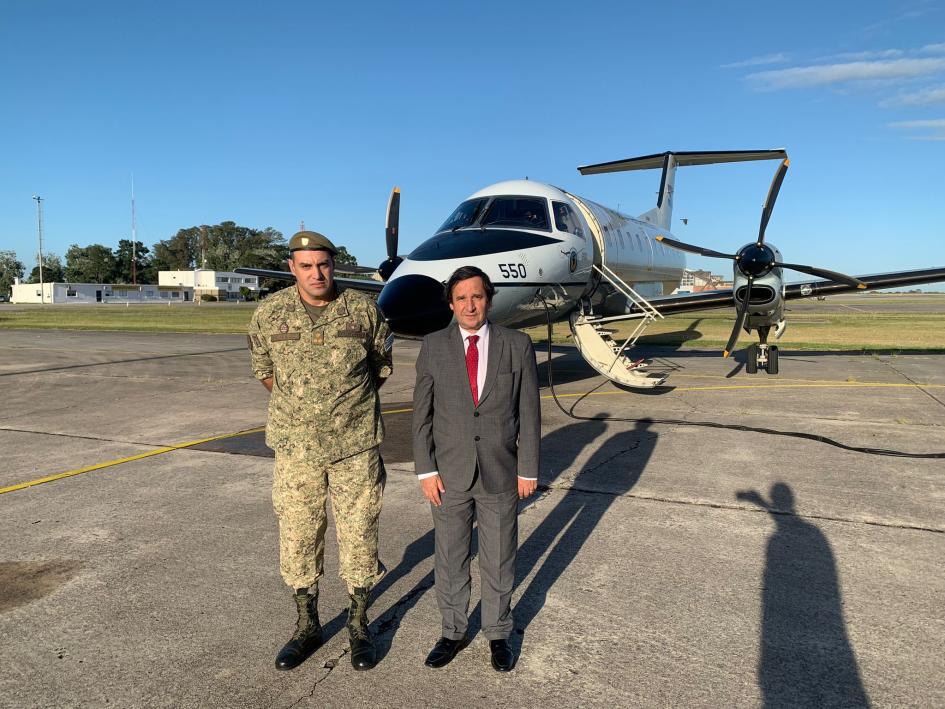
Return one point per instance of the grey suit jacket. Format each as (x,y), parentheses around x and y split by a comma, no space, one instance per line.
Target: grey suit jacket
(501,435)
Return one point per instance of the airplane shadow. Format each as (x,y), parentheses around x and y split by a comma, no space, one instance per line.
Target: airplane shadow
(806,657)
(566,368)
(129,360)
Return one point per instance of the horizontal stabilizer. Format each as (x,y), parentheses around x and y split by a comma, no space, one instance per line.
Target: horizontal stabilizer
(649,162)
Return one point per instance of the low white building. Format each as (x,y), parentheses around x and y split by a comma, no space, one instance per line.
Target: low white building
(223,285)
(65,293)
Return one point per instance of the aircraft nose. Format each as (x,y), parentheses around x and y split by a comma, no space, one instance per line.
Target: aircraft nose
(414,306)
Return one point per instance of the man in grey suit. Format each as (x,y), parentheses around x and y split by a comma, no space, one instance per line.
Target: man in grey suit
(476,433)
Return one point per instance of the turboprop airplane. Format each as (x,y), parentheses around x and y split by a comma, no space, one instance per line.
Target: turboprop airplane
(552,253)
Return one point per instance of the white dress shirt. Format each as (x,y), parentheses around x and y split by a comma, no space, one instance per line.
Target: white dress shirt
(483,346)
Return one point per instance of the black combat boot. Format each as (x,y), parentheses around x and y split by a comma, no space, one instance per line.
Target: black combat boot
(363,654)
(308,632)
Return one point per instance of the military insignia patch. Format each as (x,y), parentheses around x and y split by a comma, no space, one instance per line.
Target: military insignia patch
(389,343)
(284,327)
(304,241)
(318,338)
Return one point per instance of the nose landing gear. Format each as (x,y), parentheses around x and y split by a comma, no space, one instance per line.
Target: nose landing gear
(762,355)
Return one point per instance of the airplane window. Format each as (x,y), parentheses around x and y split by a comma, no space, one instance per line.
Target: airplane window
(525,212)
(566,219)
(464,215)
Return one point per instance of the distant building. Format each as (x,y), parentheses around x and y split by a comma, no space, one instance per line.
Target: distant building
(223,285)
(697,281)
(65,293)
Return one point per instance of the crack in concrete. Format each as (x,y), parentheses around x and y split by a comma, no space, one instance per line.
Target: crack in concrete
(743,508)
(386,622)
(912,381)
(328,665)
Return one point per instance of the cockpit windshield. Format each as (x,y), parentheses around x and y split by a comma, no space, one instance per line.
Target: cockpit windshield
(464,215)
(525,212)
(522,212)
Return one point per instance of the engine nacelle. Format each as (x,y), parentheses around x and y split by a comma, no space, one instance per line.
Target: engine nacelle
(766,300)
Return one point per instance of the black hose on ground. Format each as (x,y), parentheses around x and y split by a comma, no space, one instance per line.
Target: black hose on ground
(713,424)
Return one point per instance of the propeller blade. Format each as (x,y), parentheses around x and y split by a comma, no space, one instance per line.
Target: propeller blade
(824,273)
(739,319)
(393,222)
(692,249)
(772,198)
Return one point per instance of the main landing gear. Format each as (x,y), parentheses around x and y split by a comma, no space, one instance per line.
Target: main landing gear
(762,355)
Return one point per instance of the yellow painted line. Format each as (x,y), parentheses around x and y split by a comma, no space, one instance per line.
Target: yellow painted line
(818,385)
(148,454)
(191,444)
(128,459)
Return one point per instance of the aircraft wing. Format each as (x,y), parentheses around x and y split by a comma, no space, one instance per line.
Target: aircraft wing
(688,302)
(361,284)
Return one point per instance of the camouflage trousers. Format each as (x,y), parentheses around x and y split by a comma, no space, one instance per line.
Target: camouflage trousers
(300,492)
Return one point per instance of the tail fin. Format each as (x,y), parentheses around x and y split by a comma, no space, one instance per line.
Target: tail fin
(662,214)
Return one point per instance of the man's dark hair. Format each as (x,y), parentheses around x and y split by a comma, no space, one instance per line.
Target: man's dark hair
(464,273)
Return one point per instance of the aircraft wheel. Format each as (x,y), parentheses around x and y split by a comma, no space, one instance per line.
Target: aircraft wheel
(773,360)
(751,364)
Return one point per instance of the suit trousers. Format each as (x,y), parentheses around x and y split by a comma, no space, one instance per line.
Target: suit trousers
(496,515)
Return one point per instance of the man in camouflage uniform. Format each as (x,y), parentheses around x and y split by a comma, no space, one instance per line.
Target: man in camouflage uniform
(323,353)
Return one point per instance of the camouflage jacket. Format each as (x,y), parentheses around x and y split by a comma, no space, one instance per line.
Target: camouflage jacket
(324,400)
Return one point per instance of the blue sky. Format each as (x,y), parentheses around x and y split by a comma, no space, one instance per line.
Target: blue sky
(268,113)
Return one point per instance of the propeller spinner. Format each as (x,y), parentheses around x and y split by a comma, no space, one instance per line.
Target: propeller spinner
(757,259)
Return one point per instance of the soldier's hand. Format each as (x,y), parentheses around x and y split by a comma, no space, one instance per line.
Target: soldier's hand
(526,487)
(432,487)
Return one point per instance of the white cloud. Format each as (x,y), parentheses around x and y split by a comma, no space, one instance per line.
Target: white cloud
(863,56)
(935,126)
(922,97)
(778,58)
(925,123)
(825,74)
(933,48)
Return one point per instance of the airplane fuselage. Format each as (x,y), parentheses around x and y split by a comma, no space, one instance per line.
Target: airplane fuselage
(530,238)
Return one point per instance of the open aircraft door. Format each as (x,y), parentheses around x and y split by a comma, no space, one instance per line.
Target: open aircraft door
(593,338)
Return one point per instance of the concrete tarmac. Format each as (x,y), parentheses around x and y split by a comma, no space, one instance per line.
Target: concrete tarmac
(720,542)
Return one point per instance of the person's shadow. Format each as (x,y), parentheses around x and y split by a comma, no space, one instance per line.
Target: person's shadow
(806,657)
(559,450)
(614,468)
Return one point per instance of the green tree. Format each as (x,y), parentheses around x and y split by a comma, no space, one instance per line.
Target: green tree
(53,272)
(227,246)
(90,264)
(178,253)
(145,274)
(344,257)
(221,247)
(10,269)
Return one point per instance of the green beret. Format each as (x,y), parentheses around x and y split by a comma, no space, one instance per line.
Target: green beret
(311,241)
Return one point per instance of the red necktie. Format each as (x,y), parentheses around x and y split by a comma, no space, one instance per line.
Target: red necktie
(472,367)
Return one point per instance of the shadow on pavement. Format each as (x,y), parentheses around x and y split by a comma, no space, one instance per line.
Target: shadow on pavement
(806,656)
(613,469)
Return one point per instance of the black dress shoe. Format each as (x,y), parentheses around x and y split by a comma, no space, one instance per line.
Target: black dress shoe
(503,659)
(444,651)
